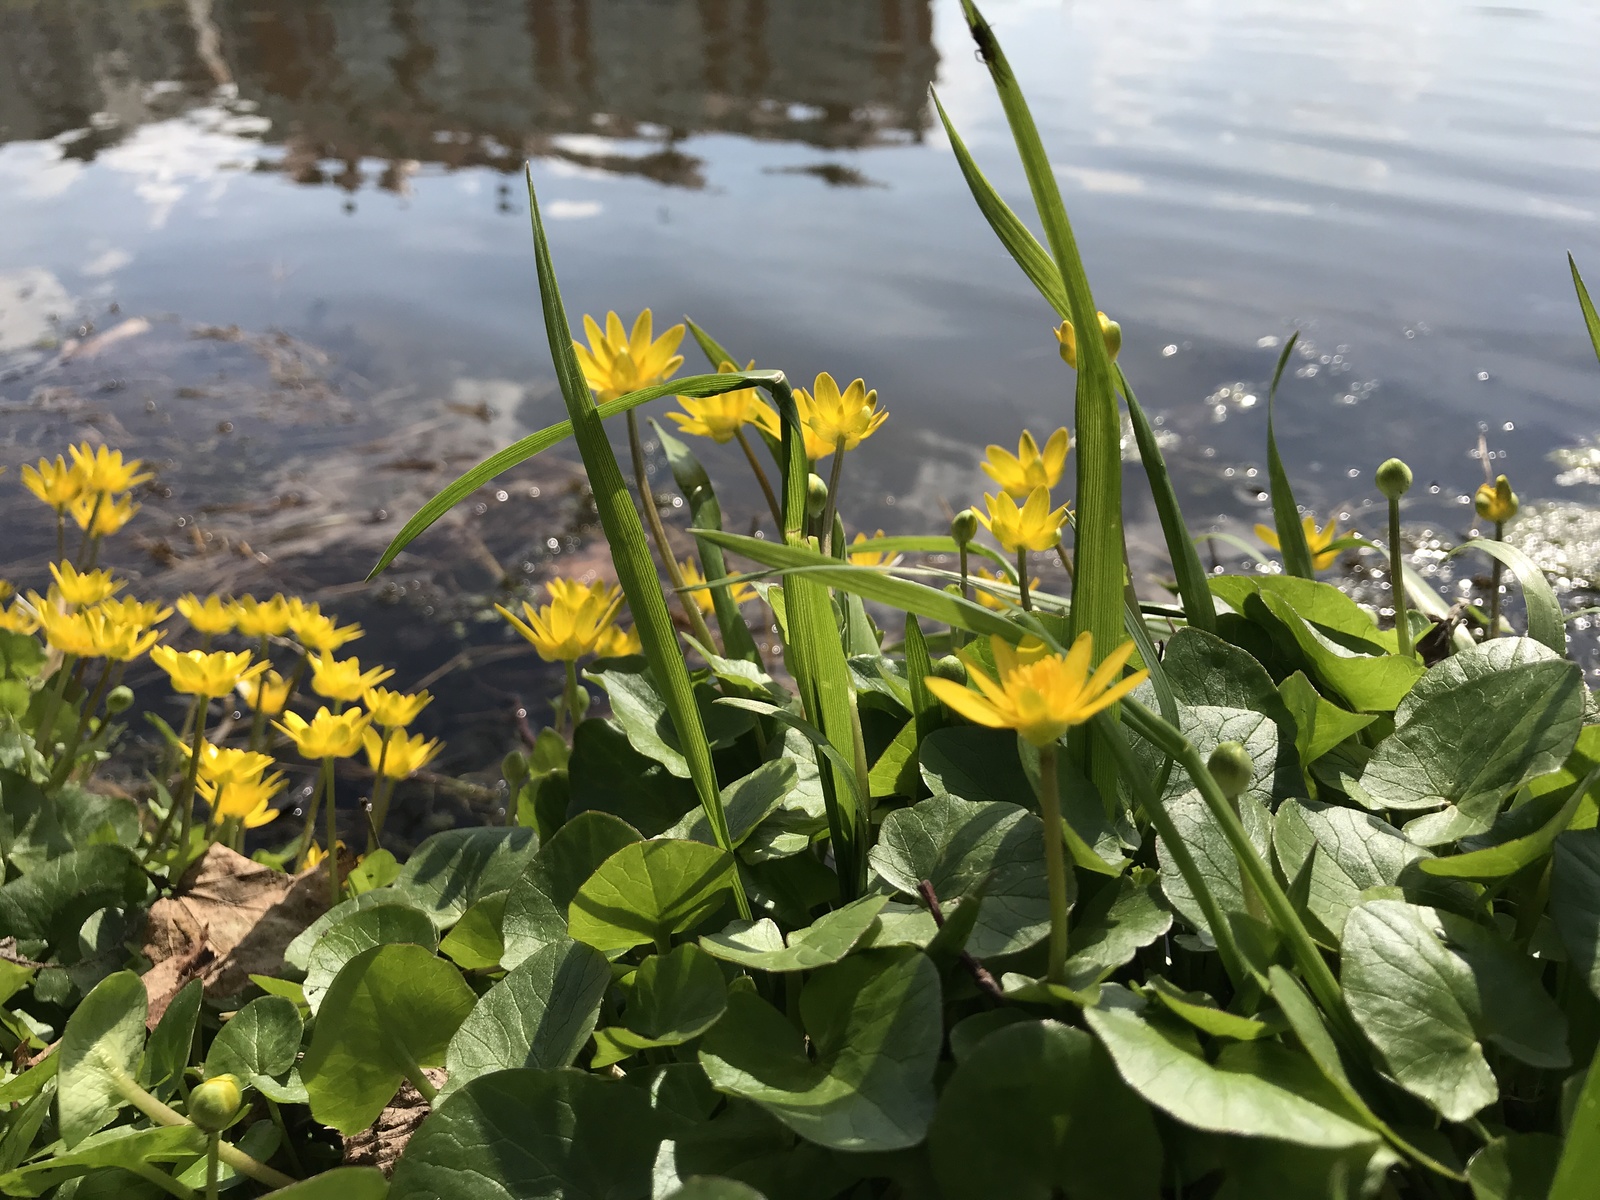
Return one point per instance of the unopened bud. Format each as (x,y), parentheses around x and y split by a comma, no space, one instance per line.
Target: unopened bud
(1496,501)
(214,1103)
(1067,336)
(1231,767)
(816,496)
(952,668)
(1394,478)
(964,527)
(119,700)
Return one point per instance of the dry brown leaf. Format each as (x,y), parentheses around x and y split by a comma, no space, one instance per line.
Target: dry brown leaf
(380,1145)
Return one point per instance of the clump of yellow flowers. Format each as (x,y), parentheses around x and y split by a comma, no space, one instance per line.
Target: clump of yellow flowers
(579,620)
(93,630)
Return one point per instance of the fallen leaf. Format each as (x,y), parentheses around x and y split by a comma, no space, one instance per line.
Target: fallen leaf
(381,1144)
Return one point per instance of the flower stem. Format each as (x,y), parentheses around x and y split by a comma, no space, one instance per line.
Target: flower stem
(833,495)
(957,636)
(1022,579)
(380,797)
(185,799)
(1055,863)
(212,1145)
(61,535)
(1397,583)
(658,533)
(258,718)
(332,816)
(88,538)
(58,694)
(63,767)
(1494,583)
(163,1115)
(761,478)
(569,699)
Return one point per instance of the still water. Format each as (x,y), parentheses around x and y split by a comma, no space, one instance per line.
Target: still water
(281,249)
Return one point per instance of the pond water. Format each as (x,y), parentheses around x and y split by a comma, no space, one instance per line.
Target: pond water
(330,195)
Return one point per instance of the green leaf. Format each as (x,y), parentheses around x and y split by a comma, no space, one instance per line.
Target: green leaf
(539,1015)
(607,774)
(704,1187)
(954,844)
(1112,926)
(380,925)
(1037,1110)
(748,801)
(648,891)
(1368,678)
(536,443)
(1259,1167)
(172,1042)
(1509,857)
(1320,724)
(761,946)
(552,1135)
(1471,744)
(390,1013)
(1202,1012)
(475,943)
(874,1026)
(52,901)
(124,1147)
(975,764)
(1254,1089)
(261,1041)
(100,1052)
(1427,1006)
(1580,1158)
(638,708)
(624,533)
(341,1183)
(1546,622)
(451,870)
(1518,1166)
(674,998)
(537,904)
(1591,319)
(1285,513)
(1575,900)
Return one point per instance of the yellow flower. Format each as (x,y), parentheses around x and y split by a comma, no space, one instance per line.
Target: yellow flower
(248,801)
(1110,332)
(1317,541)
(395,710)
(1040,695)
(122,641)
(261,618)
(315,853)
(55,483)
(1019,473)
(210,616)
(325,735)
(827,415)
(83,588)
(343,680)
(615,363)
(226,765)
(267,693)
(319,633)
(6,589)
(69,633)
(402,756)
(140,613)
(1034,526)
(617,641)
(572,624)
(108,513)
(102,469)
(693,578)
(721,417)
(987,598)
(210,675)
(1496,502)
(871,558)
(18,618)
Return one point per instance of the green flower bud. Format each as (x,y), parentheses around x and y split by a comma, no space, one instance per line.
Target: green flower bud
(816,496)
(1394,478)
(119,699)
(1231,767)
(952,668)
(964,527)
(215,1103)
(1496,502)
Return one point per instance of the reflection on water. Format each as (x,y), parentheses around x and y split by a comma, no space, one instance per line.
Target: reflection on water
(487,84)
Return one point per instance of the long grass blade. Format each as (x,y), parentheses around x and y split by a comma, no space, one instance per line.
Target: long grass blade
(1285,513)
(714,351)
(1186,566)
(1591,319)
(706,512)
(1545,621)
(1579,1165)
(630,552)
(536,443)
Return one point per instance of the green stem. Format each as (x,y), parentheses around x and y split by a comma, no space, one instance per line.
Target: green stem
(833,494)
(1022,579)
(185,801)
(658,534)
(1055,863)
(1494,583)
(162,1180)
(162,1115)
(1397,584)
(283,1132)
(957,636)
(88,535)
(331,814)
(212,1163)
(61,535)
(379,796)
(761,478)
(57,697)
(569,700)
(258,718)
(63,767)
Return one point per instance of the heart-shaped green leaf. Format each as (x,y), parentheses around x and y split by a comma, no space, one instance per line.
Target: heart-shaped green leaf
(171,1042)
(536,905)
(260,1043)
(451,870)
(674,998)
(100,1052)
(648,891)
(762,946)
(380,925)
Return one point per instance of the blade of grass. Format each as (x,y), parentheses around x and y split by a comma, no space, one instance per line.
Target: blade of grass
(919,665)
(1579,1164)
(630,552)
(1186,567)
(536,443)
(1591,319)
(1545,622)
(705,511)
(1285,513)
